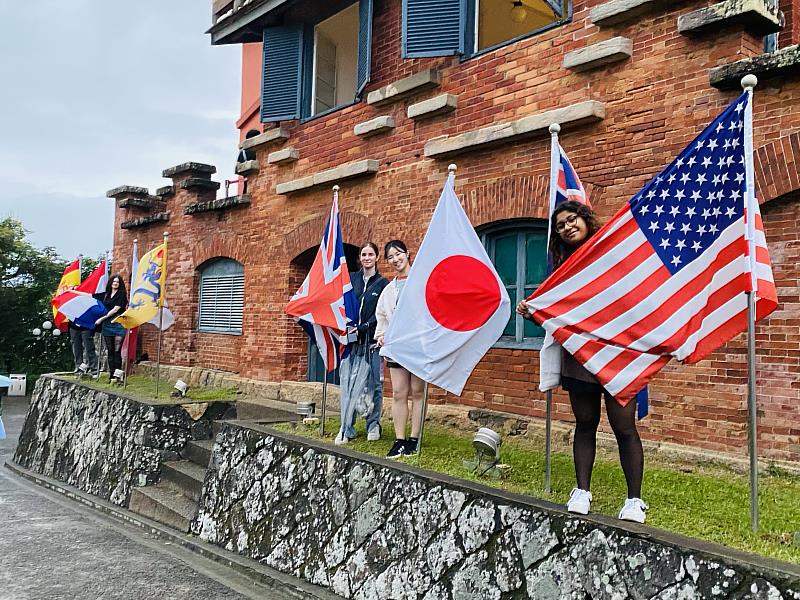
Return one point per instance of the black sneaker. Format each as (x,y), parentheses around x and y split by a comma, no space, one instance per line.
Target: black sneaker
(411,446)
(398,449)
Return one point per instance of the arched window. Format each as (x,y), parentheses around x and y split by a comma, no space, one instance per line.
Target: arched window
(221,296)
(518,250)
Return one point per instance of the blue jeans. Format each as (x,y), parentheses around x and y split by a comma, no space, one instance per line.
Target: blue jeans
(347,408)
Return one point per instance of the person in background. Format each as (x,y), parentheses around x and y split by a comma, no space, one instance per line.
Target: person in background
(367,286)
(115,299)
(573,225)
(405,385)
(83,349)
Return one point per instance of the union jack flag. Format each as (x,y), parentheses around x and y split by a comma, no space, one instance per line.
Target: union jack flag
(666,277)
(568,184)
(325,303)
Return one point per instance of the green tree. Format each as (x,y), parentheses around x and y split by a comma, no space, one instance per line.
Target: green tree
(28,278)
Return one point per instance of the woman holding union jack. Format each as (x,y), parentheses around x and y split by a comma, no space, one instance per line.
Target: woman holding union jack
(574,224)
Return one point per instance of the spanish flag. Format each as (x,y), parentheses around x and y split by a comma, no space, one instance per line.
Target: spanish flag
(147,290)
(70,279)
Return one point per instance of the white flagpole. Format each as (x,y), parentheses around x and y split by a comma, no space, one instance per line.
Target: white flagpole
(555,128)
(102,340)
(161,315)
(749,82)
(126,341)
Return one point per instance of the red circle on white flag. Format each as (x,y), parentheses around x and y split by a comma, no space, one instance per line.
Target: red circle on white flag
(462,293)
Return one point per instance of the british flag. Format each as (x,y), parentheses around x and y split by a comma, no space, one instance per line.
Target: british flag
(568,184)
(325,303)
(667,276)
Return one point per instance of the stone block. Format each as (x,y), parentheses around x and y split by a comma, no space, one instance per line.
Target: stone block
(140,202)
(278,134)
(573,115)
(374,126)
(346,171)
(754,16)
(429,78)
(247,168)
(165,191)
(217,204)
(144,221)
(199,183)
(598,55)
(432,107)
(283,156)
(127,190)
(193,169)
(618,11)
(782,63)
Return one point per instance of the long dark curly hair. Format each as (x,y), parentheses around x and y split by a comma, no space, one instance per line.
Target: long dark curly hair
(558,249)
(120,290)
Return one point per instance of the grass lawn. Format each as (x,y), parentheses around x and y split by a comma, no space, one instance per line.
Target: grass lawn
(144,387)
(709,503)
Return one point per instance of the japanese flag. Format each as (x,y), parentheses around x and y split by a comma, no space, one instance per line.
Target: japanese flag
(453,307)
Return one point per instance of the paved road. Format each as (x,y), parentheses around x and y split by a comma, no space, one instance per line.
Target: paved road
(53,548)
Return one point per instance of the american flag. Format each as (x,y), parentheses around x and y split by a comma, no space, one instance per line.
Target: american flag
(666,277)
(325,302)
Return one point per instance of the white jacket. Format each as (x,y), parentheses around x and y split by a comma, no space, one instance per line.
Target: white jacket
(385,309)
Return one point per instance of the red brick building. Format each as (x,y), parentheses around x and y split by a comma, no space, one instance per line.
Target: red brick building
(380,96)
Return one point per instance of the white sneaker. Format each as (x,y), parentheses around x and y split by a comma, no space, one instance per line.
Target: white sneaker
(633,510)
(579,501)
(341,439)
(374,434)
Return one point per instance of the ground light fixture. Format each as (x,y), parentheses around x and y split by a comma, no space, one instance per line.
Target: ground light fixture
(487,453)
(181,388)
(306,409)
(518,12)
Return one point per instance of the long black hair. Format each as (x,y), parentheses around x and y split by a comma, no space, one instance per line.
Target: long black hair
(121,289)
(397,245)
(558,249)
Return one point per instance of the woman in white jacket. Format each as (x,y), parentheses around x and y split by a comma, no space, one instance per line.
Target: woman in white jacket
(405,386)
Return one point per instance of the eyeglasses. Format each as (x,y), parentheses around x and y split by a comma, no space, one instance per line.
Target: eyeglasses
(568,222)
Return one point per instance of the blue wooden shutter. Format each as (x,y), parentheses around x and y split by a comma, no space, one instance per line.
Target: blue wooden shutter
(557,6)
(281,84)
(433,27)
(364,44)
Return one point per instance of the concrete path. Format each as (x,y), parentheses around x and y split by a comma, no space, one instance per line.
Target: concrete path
(53,548)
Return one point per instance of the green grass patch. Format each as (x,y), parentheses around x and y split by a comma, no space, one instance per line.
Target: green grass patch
(708,503)
(143,387)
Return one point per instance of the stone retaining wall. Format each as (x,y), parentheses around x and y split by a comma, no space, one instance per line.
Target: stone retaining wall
(100,442)
(371,529)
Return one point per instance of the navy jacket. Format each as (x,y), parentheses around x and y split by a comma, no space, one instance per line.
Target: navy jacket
(367,302)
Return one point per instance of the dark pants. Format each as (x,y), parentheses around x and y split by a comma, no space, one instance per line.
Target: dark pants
(83,350)
(114,348)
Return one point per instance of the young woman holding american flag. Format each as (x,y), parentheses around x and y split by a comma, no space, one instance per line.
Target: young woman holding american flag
(574,224)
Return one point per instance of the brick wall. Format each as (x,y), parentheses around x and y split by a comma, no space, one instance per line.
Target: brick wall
(655,104)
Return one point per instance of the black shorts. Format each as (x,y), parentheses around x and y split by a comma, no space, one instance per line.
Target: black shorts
(393,365)
(576,386)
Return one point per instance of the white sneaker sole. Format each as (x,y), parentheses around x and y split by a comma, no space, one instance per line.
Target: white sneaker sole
(632,518)
(577,510)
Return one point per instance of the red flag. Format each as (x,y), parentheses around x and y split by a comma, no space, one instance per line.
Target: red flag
(70,279)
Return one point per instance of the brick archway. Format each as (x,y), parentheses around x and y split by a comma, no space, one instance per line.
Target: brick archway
(777,167)
(355,228)
(515,197)
(230,248)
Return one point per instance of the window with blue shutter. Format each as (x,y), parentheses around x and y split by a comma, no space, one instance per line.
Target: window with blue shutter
(221,305)
(445,27)
(281,84)
(434,27)
(364,45)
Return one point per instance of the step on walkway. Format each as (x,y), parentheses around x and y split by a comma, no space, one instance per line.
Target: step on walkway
(173,501)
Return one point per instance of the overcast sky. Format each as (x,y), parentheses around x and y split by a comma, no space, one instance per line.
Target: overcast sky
(95,94)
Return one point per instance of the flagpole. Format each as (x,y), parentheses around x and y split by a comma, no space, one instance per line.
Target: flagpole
(127,335)
(422,420)
(161,313)
(749,82)
(324,403)
(102,341)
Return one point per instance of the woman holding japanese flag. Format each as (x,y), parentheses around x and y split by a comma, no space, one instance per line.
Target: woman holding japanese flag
(573,224)
(405,385)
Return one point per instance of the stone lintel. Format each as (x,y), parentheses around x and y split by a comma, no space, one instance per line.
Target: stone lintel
(374,126)
(144,221)
(167,190)
(278,134)
(618,11)
(417,82)
(784,62)
(438,105)
(340,173)
(574,115)
(282,156)
(217,204)
(127,190)
(200,183)
(193,169)
(754,16)
(600,54)
(247,168)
